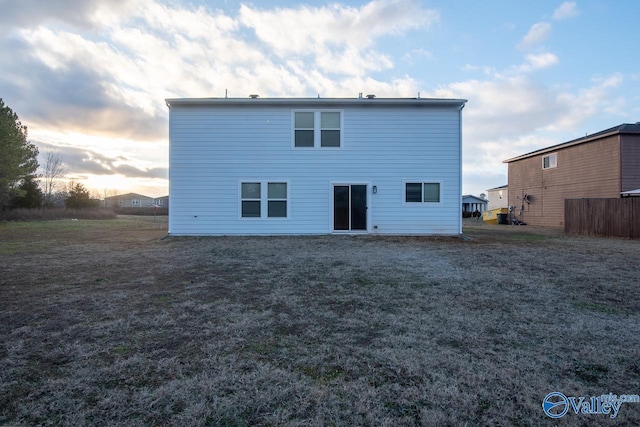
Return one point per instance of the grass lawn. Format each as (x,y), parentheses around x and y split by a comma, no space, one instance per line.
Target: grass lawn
(107,323)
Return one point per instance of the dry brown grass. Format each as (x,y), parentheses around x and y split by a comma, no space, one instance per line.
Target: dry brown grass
(105,322)
(55,214)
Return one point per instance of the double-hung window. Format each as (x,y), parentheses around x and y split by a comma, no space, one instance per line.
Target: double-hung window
(263,199)
(277,200)
(422,192)
(317,129)
(251,195)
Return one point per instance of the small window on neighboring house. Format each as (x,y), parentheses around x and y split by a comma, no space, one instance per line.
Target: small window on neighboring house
(550,161)
(317,129)
(277,200)
(135,202)
(422,192)
(251,199)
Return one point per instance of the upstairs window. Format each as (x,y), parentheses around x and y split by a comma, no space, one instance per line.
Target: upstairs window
(330,129)
(422,192)
(317,129)
(305,129)
(550,161)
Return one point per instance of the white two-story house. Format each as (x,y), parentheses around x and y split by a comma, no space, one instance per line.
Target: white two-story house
(268,166)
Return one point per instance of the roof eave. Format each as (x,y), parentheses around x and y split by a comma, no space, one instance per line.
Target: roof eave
(459,103)
(561,146)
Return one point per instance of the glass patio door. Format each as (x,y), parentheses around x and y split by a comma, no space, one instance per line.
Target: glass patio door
(350,207)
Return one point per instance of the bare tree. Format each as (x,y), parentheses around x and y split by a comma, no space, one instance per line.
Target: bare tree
(53,169)
(109,193)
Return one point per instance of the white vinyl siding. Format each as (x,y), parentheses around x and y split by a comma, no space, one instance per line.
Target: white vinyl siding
(213,149)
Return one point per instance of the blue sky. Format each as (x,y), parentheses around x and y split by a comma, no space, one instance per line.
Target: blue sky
(89,78)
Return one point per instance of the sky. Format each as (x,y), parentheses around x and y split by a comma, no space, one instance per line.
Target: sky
(89,77)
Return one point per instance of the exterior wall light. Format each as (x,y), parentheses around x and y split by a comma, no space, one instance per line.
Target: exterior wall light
(375,189)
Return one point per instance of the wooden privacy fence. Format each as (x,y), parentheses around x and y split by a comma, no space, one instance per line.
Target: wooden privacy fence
(603,217)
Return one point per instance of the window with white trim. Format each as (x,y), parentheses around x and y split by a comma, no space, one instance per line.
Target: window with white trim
(550,161)
(317,129)
(251,199)
(277,200)
(262,199)
(422,192)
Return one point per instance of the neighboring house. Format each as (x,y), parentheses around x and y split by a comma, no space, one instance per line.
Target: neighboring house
(472,203)
(602,165)
(161,202)
(129,200)
(314,166)
(498,197)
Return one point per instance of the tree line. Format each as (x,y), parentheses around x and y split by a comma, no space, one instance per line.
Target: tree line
(21,183)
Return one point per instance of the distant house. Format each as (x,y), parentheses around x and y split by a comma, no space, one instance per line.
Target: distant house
(498,197)
(129,200)
(263,166)
(161,202)
(472,203)
(602,165)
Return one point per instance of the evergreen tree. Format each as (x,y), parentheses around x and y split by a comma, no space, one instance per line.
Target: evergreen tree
(28,195)
(79,198)
(18,157)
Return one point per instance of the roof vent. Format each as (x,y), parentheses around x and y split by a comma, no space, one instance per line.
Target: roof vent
(371,96)
(254,96)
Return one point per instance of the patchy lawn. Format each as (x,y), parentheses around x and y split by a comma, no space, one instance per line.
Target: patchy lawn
(106,322)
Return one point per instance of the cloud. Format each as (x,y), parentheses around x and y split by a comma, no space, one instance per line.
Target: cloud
(417,54)
(73,84)
(587,102)
(78,13)
(510,107)
(538,33)
(305,29)
(508,115)
(538,62)
(82,161)
(337,39)
(110,77)
(566,10)
(505,106)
